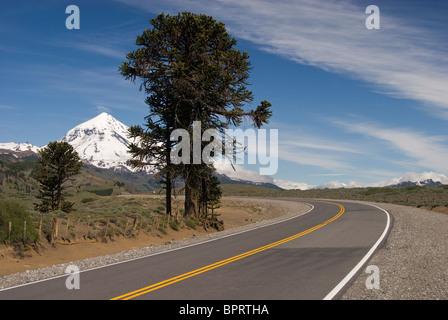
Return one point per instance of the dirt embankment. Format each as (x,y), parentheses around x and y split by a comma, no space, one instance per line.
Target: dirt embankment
(235,212)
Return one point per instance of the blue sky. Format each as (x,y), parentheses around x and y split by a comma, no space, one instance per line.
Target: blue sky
(352,105)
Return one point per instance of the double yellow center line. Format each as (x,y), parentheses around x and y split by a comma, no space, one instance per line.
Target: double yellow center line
(193,273)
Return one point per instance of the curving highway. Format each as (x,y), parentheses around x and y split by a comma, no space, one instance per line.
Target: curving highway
(311,256)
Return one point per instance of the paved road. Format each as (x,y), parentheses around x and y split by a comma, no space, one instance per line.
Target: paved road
(306,257)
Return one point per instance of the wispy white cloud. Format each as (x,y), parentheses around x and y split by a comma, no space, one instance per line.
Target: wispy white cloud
(238,172)
(327,174)
(316,150)
(327,161)
(401,59)
(101,49)
(423,151)
(319,144)
(100,109)
(6,107)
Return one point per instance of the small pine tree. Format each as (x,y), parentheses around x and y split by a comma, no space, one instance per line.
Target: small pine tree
(214,194)
(57,163)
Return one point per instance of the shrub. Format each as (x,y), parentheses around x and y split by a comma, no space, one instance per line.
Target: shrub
(174,225)
(17,214)
(191,223)
(86,200)
(102,192)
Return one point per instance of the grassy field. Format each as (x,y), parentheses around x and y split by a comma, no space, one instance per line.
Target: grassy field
(102,211)
(96,218)
(99,210)
(430,197)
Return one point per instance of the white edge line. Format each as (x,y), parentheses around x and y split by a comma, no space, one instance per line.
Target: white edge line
(360,264)
(162,252)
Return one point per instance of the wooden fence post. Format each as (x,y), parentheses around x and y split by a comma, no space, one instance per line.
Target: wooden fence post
(54,231)
(24,231)
(126,227)
(107,225)
(140,224)
(40,229)
(66,228)
(9,232)
(135,225)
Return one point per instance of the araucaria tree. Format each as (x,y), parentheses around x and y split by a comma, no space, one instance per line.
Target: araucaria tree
(57,163)
(191,71)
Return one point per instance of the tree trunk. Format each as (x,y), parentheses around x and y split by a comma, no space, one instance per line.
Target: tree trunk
(168,186)
(203,198)
(169,168)
(59,197)
(191,194)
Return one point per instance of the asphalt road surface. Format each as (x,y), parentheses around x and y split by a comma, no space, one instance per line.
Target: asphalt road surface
(311,256)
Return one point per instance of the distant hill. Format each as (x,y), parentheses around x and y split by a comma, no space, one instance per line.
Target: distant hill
(224,179)
(427,182)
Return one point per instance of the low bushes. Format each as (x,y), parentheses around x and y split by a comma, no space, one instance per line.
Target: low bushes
(16,225)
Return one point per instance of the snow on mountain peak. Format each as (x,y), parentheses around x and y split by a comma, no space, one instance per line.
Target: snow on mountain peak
(419,178)
(18,147)
(102,141)
(104,122)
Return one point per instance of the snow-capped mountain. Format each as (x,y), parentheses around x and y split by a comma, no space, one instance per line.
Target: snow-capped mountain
(418,179)
(19,147)
(408,179)
(101,141)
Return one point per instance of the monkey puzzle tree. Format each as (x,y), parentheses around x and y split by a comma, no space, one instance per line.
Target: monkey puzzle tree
(56,164)
(190,69)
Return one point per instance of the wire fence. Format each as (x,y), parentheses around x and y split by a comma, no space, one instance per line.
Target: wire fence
(70,229)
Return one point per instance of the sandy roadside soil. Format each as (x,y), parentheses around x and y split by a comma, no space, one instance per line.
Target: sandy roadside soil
(235,212)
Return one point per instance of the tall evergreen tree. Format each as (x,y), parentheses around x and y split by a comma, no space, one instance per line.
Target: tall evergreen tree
(190,69)
(56,164)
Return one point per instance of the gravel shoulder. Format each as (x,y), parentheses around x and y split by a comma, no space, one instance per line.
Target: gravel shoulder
(412,263)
